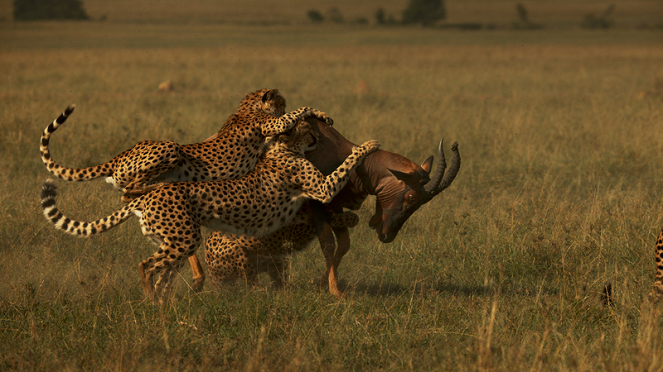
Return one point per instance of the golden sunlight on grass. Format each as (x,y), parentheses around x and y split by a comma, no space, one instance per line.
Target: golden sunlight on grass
(559,193)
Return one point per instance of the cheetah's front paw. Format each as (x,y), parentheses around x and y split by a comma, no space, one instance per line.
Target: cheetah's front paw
(322,116)
(366,147)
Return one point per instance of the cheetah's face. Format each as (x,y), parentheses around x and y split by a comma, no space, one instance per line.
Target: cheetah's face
(273,103)
(301,138)
(269,101)
(274,106)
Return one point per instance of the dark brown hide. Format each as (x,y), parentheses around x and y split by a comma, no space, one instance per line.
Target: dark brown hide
(400,186)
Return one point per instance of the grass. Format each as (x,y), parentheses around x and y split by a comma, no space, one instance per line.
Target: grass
(558,194)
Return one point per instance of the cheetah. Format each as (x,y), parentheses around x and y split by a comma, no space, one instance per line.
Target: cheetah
(230,257)
(257,204)
(657,290)
(231,154)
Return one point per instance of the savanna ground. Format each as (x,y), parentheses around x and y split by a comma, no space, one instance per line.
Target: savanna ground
(559,191)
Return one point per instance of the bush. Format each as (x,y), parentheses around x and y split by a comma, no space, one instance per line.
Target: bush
(424,12)
(522,13)
(602,21)
(360,21)
(380,17)
(315,16)
(335,15)
(523,22)
(29,10)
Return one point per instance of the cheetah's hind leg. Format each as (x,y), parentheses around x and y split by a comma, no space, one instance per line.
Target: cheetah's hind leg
(277,268)
(146,161)
(146,269)
(151,267)
(164,287)
(134,191)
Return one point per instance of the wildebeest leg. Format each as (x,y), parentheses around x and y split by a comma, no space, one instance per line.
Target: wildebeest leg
(198,274)
(326,238)
(343,246)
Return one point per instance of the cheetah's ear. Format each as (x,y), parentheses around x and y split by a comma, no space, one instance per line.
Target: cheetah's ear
(269,95)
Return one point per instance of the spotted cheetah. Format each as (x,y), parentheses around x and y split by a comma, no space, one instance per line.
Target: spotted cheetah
(257,204)
(230,257)
(657,290)
(231,154)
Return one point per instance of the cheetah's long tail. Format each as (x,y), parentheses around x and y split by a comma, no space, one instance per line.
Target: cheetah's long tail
(69,174)
(79,228)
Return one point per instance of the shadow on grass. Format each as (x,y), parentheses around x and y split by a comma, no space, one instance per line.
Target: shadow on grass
(480,290)
(464,290)
(393,289)
(375,290)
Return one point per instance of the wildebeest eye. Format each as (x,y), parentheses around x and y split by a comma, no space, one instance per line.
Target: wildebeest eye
(411,197)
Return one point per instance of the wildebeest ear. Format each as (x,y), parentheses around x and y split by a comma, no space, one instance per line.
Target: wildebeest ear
(427,164)
(408,178)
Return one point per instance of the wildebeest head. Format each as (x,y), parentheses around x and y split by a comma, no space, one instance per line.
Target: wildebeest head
(408,187)
(400,185)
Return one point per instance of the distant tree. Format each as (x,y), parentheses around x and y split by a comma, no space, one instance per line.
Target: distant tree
(523,22)
(315,16)
(360,21)
(522,12)
(335,15)
(380,17)
(28,10)
(602,21)
(424,12)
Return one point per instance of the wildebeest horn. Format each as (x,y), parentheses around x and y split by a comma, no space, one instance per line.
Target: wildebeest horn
(438,182)
(435,180)
(453,170)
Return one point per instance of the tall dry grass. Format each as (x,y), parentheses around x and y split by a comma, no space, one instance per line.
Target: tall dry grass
(558,194)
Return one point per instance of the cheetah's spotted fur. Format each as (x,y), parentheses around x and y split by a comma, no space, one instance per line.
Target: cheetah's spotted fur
(230,257)
(260,203)
(233,153)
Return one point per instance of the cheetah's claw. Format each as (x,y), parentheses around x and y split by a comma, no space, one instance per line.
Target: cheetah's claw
(321,116)
(324,117)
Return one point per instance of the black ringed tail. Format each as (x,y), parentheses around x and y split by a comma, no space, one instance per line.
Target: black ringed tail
(79,228)
(69,174)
